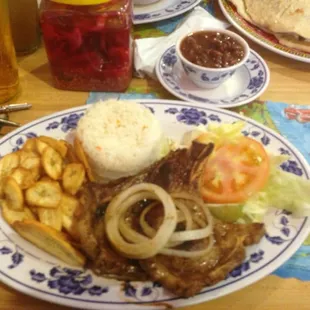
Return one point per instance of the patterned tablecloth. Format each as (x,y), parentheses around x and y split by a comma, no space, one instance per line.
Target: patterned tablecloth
(289,120)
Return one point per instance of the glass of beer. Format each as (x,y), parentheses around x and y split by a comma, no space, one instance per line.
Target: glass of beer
(24,19)
(8,65)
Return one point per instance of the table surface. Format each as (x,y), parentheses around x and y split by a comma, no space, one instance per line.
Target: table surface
(290,81)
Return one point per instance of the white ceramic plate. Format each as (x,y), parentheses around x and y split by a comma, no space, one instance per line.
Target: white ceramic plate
(247,83)
(259,36)
(33,272)
(164,9)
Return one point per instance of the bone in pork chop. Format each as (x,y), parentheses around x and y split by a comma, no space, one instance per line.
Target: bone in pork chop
(188,276)
(178,171)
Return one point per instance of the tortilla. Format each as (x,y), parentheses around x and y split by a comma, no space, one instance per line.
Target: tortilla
(240,6)
(288,20)
(281,16)
(292,42)
(241,9)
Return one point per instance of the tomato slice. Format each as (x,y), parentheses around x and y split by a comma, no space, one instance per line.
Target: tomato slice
(235,171)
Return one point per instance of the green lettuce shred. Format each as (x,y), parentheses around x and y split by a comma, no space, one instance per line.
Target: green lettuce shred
(283,190)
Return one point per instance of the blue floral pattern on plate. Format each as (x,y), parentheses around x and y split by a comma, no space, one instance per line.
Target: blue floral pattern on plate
(16,257)
(19,140)
(68,281)
(286,229)
(171,9)
(47,278)
(192,116)
(246,265)
(262,136)
(66,123)
(141,293)
(255,80)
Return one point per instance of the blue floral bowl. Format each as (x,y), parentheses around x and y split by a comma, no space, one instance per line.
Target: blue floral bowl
(209,78)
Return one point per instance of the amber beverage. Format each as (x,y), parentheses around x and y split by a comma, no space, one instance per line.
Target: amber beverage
(8,64)
(24,19)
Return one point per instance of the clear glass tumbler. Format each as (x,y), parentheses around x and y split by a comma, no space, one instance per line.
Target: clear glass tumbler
(24,17)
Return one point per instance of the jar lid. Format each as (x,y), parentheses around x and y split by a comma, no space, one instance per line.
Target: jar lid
(81,2)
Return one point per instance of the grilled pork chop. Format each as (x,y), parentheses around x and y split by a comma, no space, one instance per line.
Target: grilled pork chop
(91,238)
(177,172)
(187,276)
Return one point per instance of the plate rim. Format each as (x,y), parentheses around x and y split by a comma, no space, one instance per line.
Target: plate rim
(257,40)
(245,101)
(157,19)
(243,282)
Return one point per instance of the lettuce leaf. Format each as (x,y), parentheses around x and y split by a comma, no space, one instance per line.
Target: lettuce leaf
(217,133)
(283,190)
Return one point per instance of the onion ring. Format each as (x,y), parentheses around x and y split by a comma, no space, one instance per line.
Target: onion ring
(147,229)
(150,231)
(189,254)
(194,234)
(129,233)
(148,247)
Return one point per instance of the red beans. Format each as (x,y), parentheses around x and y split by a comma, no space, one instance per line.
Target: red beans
(212,49)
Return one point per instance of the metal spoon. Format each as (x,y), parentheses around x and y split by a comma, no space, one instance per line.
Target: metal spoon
(4,122)
(15,107)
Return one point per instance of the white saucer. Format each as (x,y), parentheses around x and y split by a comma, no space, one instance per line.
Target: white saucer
(248,82)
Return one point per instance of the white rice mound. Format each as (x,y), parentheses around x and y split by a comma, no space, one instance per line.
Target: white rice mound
(120,138)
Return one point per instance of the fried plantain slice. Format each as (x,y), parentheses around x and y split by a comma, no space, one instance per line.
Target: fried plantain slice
(73,178)
(8,163)
(11,216)
(29,159)
(51,217)
(1,187)
(68,204)
(70,227)
(71,155)
(24,177)
(13,194)
(52,163)
(83,158)
(41,146)
(30,145)
(50,240)
(45,194)
(57,145)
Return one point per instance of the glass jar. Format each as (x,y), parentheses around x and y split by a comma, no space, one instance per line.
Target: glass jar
(8,64)
(24,25)
(88,43)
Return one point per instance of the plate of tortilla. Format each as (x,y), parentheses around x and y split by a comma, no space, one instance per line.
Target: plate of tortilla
(280,26)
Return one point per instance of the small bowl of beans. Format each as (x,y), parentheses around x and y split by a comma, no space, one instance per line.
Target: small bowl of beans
(210,57)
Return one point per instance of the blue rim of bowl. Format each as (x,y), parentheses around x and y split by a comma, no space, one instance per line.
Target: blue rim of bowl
(260,82)
(165,13)
(293,243)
